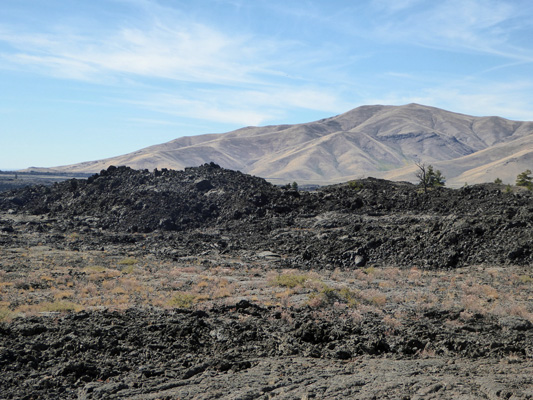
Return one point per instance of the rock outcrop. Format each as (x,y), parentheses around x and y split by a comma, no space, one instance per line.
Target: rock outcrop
(349,225)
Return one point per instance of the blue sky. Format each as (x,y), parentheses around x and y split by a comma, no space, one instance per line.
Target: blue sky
(84,80)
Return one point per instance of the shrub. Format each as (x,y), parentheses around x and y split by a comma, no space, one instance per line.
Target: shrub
(182,300)
(524,179)
(128,261)
(328,296)
(428,177)
(60,306)
(355,185)
(290,280)
(5,314)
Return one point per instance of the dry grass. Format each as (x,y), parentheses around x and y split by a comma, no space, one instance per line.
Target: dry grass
(39,279)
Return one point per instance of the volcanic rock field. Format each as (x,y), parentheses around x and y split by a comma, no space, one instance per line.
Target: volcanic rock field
(208,283)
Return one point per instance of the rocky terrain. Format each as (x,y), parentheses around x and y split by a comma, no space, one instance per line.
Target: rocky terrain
(209,283)
(16,179)
(366,221)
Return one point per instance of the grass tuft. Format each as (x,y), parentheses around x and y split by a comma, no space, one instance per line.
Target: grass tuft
(290,280)
(182,300)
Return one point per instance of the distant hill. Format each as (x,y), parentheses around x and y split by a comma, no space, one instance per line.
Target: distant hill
(378,141)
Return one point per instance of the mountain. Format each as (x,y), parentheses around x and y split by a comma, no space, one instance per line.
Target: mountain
(379,141)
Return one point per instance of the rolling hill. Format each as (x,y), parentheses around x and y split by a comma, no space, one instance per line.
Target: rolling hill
(379,141)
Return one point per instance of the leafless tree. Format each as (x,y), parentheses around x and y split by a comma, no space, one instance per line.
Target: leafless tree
(428,177)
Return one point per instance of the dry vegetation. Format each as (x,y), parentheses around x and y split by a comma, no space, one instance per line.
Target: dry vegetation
(41,280)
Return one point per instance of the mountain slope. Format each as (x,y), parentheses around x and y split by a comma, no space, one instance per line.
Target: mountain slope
(504,161)
(366,141)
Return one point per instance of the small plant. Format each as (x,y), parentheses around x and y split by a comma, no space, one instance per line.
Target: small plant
(325,297)
(525,179)
(508,189)
(328,296)
(182,300)
(349,296)
(290,280)
(64,294)
(94,268)
(60,306)
(498,181)
(5,314)
(128,269)
(355,185)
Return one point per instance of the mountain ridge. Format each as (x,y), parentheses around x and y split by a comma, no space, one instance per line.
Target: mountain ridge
(374,140)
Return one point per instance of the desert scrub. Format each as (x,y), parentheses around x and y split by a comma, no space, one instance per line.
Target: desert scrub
(63,294)
(128,261)
(328,296)
(55,306)
(60,305)
(355,185)
(182,300)
(290,280)
(127,269)
(5,314)
(98,273)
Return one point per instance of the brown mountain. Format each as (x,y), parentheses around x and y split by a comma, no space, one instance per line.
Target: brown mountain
(380,141)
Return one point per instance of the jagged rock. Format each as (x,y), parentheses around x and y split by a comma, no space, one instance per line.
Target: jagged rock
(372,222)
(151,353)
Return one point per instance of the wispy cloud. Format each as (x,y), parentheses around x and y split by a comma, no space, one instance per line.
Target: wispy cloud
(481,26)
(241,107)
(203,107)
(510,99)
(190,53)
(148,121)
(173,63)
(242,71)
(393,6)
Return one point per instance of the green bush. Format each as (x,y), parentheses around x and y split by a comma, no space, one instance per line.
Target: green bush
(128,261)
(182,300)
(524,179)
(429,178)
(355,185)
(290,280)
(328,296)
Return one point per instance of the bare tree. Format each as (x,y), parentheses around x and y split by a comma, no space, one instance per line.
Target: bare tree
(428,177)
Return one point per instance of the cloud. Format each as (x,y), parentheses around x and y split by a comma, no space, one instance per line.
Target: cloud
(165,60)
(202,108)
(506,99)
(393,6)
(192,52)
(242,107)
(168,61)
(480,26)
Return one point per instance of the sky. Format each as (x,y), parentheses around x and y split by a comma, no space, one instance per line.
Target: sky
(85,80)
